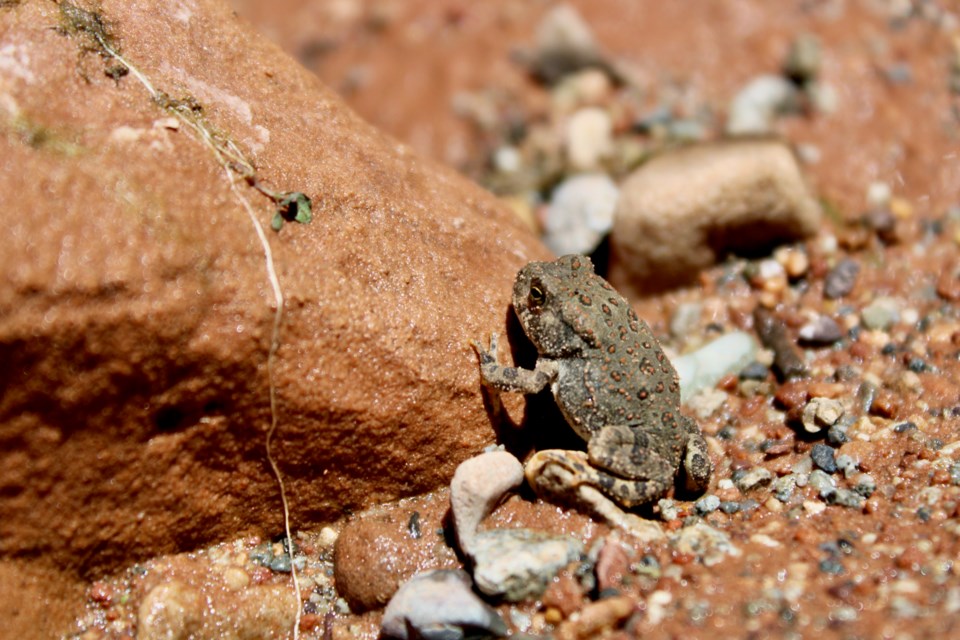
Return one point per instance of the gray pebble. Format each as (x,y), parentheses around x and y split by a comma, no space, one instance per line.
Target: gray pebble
(846,498)
(865,485)
(783,487)
(903,427)
(730,506)
(516,564)
(847,465)
(439,604)
(565,44)
(837,435)
(751,479)
(822,483)
(824,330)
(880,314)
(703,368)
(955,473)
(707,504)
(668,510)
(841,279)
(754,108)
(802,64)
(786,359)
(823,457)
(755,371)
(710,545)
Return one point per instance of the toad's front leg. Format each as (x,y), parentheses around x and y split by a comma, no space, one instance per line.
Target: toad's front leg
(502,378)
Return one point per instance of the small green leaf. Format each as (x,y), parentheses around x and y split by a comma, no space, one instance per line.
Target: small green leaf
(277,223)
(296,206)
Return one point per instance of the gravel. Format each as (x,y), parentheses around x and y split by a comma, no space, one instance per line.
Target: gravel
(841,279)
(823,457)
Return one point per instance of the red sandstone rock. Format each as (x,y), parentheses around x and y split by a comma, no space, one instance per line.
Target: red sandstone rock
(136,310)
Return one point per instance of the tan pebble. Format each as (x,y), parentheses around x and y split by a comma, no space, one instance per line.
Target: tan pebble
(813,508)
(170,610)
(795,262)
(773,505)
(235,578)
(901,208)
(552,616)
(597,618)
(328,536)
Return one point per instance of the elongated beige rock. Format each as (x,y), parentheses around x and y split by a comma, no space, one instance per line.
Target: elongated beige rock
(685,209)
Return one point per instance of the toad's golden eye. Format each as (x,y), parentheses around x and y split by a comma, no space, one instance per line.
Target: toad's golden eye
(537,295)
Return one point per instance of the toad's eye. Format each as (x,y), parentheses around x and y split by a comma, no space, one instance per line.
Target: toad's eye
(537,294)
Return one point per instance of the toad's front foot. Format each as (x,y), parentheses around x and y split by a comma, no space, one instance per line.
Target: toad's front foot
(502,378)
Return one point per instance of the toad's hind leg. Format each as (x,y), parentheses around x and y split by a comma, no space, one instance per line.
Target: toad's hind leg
(581,469)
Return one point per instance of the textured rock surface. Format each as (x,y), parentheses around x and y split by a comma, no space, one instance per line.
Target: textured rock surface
(135,311)
(680,212)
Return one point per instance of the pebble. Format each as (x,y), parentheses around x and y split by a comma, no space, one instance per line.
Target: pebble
(755,371)
(708,544)
(774,336)
(846,464)
(176,610)
(864,484)
(564,44)
(752,479)
(730,506)
(613,563)
(903,427)
(685,319)
(708,190)
(813,508)
(580,213)
(703,368)
(822,483)
(880,314)
(597,619)
(668,510)
(802,64)
(823,457)
(783,487)
(477,485)
(820,413)
(878,195)
(846,498)
(588,138)
(823,330)
(516,564)
(837,435)
(755,107)
(706,504)
(439,604)
(507,159)
(841,279)
(795,262)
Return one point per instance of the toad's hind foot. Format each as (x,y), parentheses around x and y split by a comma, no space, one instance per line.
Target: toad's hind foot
(555,474)
(559,475)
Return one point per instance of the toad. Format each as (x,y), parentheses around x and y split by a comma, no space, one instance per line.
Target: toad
(613,384)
